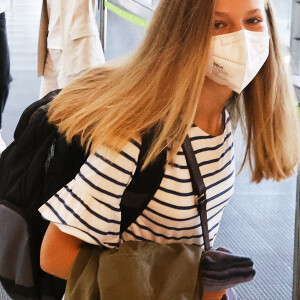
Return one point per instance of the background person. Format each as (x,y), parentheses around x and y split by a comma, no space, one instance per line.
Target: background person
(68,42)
(5,77)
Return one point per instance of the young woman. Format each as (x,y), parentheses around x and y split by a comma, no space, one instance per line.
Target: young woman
(198,57)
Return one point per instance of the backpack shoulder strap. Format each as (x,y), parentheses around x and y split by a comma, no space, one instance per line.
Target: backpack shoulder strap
(143,184)
(30,110)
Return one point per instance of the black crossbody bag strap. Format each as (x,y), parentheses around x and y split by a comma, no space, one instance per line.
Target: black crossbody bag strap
(198,188)
(143,185)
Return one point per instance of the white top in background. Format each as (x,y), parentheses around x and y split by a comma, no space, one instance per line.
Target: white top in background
(54,39)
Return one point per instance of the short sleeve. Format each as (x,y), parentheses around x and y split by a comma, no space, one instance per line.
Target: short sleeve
(88,207)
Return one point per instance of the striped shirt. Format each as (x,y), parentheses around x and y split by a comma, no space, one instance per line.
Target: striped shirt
(89,206)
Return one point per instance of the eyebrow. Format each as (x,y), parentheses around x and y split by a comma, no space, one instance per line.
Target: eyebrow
(250,12)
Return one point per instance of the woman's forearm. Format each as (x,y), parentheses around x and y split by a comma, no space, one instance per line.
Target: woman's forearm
(58,252)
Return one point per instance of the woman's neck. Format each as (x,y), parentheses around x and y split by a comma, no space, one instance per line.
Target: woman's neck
(211,105)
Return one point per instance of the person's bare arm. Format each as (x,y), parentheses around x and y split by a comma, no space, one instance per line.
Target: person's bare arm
(58,252)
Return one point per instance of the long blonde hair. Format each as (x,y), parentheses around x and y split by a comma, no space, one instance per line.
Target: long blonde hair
(268,113)
(160,86)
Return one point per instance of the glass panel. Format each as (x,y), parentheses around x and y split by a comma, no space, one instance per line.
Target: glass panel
(295,36)
(288,23)
(148,3)
(283,10)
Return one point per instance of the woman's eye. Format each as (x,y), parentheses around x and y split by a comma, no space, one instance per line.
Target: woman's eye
(253,21)
(218,25)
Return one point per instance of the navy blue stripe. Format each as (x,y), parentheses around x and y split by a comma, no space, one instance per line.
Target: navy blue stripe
(56,214)
(217,159)
(130,158)
(209,148)
(113,165)
(135,143)
(174,206)
(218,204)
(83,221)
(206,175)
(137,237)
(105,176)
(211,229)
(172,238)
(171,228)
(99,189)
(185,181)
(205,162)
(107,205)
(170,218)
(177,179)
(143,239)
(92,237)
(220,194)
(112,244)
(90,210)
(220,170)
(220,181)
(213,148)
(202,244)
(212,238)
(168,237)
(64,223)
(176,193)
(219,211)
(201,137)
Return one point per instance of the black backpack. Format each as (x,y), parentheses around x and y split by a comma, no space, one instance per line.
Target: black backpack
(35,166)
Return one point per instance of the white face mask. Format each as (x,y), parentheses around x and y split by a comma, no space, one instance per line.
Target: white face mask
(237,57)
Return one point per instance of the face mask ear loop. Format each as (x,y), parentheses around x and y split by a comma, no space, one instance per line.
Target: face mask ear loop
(233,98)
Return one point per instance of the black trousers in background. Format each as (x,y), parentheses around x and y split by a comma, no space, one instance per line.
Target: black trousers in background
(5,77)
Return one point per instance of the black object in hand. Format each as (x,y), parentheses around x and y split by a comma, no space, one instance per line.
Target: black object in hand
(220,269)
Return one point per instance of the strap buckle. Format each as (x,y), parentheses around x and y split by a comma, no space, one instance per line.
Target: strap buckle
(201,199)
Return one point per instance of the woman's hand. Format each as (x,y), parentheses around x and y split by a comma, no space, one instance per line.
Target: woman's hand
(58,252)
